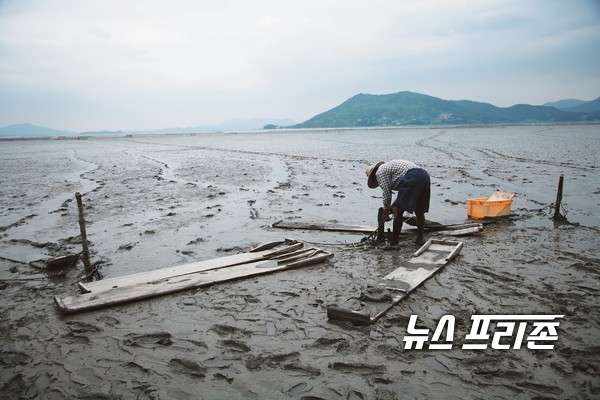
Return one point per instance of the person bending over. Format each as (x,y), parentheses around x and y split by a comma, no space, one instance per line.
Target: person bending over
(414,191)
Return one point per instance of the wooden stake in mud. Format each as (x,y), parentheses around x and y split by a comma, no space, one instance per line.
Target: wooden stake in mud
(557,214)
(86,253)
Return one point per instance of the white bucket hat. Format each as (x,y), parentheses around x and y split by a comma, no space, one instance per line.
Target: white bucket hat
(371,179)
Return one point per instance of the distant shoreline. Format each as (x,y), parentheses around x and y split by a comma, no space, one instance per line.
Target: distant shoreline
(287,130)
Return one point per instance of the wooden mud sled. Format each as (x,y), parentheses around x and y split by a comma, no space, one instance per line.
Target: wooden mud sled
(398,284)
(431,226)
(264,259)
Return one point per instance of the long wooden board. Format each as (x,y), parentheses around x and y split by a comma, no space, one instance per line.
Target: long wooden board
(284,247)
(100,296)
(434,227)
(324,226)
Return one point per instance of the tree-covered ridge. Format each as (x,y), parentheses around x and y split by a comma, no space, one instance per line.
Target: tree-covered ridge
(408,108)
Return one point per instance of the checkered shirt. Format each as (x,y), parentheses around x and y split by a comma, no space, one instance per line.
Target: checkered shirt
(389,176)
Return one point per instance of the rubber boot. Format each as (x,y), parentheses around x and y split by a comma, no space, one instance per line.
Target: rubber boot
(397,228)
(380,225)
(420,228)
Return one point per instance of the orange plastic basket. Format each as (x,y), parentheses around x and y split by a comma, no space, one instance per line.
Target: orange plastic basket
(481,207)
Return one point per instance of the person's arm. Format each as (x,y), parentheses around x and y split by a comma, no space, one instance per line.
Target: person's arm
(385,183)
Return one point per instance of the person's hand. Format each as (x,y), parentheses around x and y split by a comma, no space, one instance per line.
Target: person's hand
(392,211)
(388,215)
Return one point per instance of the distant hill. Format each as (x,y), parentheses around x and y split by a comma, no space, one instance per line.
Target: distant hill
(566,103)
(586,107)
(29,130)
(363,110)
(408,108)
(22,130)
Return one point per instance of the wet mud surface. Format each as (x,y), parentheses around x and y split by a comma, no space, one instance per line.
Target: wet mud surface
(158,201)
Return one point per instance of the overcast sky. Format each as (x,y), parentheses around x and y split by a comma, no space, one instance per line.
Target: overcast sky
(127,64)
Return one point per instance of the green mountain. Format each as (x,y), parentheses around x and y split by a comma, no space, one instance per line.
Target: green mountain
(408,108)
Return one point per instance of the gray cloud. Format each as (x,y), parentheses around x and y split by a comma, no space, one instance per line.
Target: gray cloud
(151,64)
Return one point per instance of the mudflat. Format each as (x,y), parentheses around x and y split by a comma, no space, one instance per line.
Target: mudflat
(158,201)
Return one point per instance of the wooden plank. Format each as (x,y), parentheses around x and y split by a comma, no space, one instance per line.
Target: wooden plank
(476,228)
(426,261)
(435,253)
(409,277)
(324,226)
(449,229)
(154,275)
(401,282)
(269,245)
(108,296)
(454,253)
(423,248)
(139,291)
(296,255)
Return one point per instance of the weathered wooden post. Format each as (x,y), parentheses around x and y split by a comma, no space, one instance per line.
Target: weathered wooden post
(557,214)
(85,256)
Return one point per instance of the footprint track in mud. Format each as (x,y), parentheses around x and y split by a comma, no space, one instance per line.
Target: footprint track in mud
(148,339)
(283,156)
(225,330)
(492,154)
(235,345)
(358,368)
(270,361)
(451,154)
(14,357)
(83,327)
(188,367)
(18,223)
(460,154)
